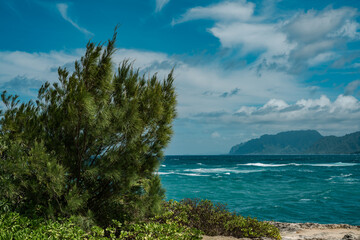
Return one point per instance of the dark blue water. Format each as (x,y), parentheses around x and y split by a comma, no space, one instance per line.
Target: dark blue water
(322,189)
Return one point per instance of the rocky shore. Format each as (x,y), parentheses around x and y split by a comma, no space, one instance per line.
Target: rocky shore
(308,231)
(315,231)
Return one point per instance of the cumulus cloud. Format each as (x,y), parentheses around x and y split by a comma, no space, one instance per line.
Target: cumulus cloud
(275,104)
(160,4)
(305,112)
(63,9)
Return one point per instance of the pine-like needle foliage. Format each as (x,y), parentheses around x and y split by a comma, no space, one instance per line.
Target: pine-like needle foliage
(90,144)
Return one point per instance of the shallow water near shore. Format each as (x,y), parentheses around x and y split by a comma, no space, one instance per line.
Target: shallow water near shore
(315,188)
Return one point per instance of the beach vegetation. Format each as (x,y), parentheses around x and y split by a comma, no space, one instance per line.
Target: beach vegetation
(188,219)
(214,219)
(19,227)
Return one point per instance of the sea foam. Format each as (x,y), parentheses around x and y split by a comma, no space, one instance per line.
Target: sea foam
(220,170)
(268,164)
(337,164)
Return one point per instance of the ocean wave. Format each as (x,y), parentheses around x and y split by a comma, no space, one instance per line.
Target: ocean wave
(165,173)
(220,170)
(268,164)
(338,164)
(193,174)
(342,176)
(163,165)
(305,170)
(183,174)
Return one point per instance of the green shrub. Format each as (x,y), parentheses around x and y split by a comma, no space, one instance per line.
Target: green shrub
(215,219)
(17,227)
(154,231)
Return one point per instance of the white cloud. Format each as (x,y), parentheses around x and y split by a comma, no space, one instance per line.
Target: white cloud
(312,50)
(322,102)
(246,110)
(275,104)
(322,58)
(160,4)
(239,10)
(305,112)
(349,29)
(291,43)
(191,80)
(251,37)
(345,104)
(319,34)
(313,25)
(42,66)
(63,7)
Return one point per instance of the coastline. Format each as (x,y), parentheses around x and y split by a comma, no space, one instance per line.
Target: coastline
(307,231)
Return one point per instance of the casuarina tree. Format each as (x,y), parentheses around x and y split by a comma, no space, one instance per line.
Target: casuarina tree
(90,144)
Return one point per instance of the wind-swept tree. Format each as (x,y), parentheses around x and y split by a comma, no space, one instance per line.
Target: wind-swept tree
(91,143)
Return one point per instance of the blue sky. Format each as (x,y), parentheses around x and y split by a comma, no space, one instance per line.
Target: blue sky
(243,68)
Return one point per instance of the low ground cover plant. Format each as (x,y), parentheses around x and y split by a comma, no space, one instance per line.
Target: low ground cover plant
(14,226)
(188,219)
(214,219)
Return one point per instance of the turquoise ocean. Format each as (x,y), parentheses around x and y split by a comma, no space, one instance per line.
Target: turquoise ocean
(307,188)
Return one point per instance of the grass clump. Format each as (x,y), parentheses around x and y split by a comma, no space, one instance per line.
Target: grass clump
(215,219)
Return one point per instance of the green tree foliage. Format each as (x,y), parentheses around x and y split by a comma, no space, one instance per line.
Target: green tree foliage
(91,142)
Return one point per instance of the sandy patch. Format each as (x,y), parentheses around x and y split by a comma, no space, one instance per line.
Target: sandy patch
(328,234)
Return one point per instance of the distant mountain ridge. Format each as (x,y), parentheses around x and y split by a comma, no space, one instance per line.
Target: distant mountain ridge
(299,142)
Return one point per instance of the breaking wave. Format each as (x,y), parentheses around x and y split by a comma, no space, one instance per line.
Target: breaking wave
(337,164)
